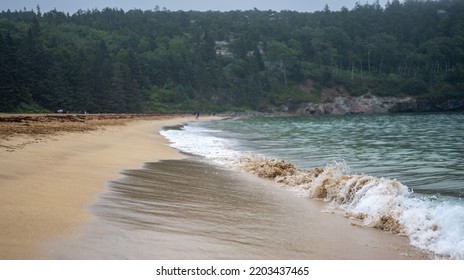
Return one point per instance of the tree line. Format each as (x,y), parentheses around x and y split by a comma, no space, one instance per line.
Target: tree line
(157,60)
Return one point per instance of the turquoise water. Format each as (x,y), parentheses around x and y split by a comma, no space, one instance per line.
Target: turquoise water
(407,168)
(423,151)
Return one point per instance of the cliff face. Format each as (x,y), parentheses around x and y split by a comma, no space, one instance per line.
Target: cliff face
(343,105)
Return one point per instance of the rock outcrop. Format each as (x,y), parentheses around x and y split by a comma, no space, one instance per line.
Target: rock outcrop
(429,105)
(368,104)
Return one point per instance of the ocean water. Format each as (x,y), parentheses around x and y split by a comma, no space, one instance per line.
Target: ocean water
(401,172)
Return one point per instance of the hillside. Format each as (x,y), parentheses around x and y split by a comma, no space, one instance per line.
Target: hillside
(165,61)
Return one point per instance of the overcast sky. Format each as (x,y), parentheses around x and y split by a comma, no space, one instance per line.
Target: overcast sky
(186,5)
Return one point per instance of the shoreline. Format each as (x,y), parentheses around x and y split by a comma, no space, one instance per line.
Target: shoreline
(47,181)
(182,214)
(48,184)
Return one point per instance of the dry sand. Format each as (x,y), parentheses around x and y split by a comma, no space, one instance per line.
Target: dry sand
(48,177)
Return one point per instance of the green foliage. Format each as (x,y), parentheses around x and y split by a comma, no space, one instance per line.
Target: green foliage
(171,99)
(284,95)
(29,108)
(166,61)
(414,87)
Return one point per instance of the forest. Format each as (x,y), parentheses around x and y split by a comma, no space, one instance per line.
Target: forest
(159,61)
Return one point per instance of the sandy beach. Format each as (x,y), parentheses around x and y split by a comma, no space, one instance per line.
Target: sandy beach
(49,177)
(51,170)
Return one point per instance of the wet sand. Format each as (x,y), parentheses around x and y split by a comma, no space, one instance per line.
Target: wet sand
(54,205)
(191,209)
(48,178)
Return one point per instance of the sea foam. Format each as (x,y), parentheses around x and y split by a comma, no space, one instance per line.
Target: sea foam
(382,203)
(198,141)
(387,204)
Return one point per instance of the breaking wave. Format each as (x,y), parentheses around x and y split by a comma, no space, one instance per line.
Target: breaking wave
(431,223)
(375,201)
(380,203)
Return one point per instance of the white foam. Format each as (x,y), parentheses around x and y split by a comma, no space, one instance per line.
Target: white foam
(437,226)
(197,140)
(434,225)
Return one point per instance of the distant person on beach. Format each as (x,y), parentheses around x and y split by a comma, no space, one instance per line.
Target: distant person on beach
(197,115)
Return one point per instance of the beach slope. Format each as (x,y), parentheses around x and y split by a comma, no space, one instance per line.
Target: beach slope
(48,177)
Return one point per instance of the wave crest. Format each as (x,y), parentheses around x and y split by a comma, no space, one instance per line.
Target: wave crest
(374,201)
